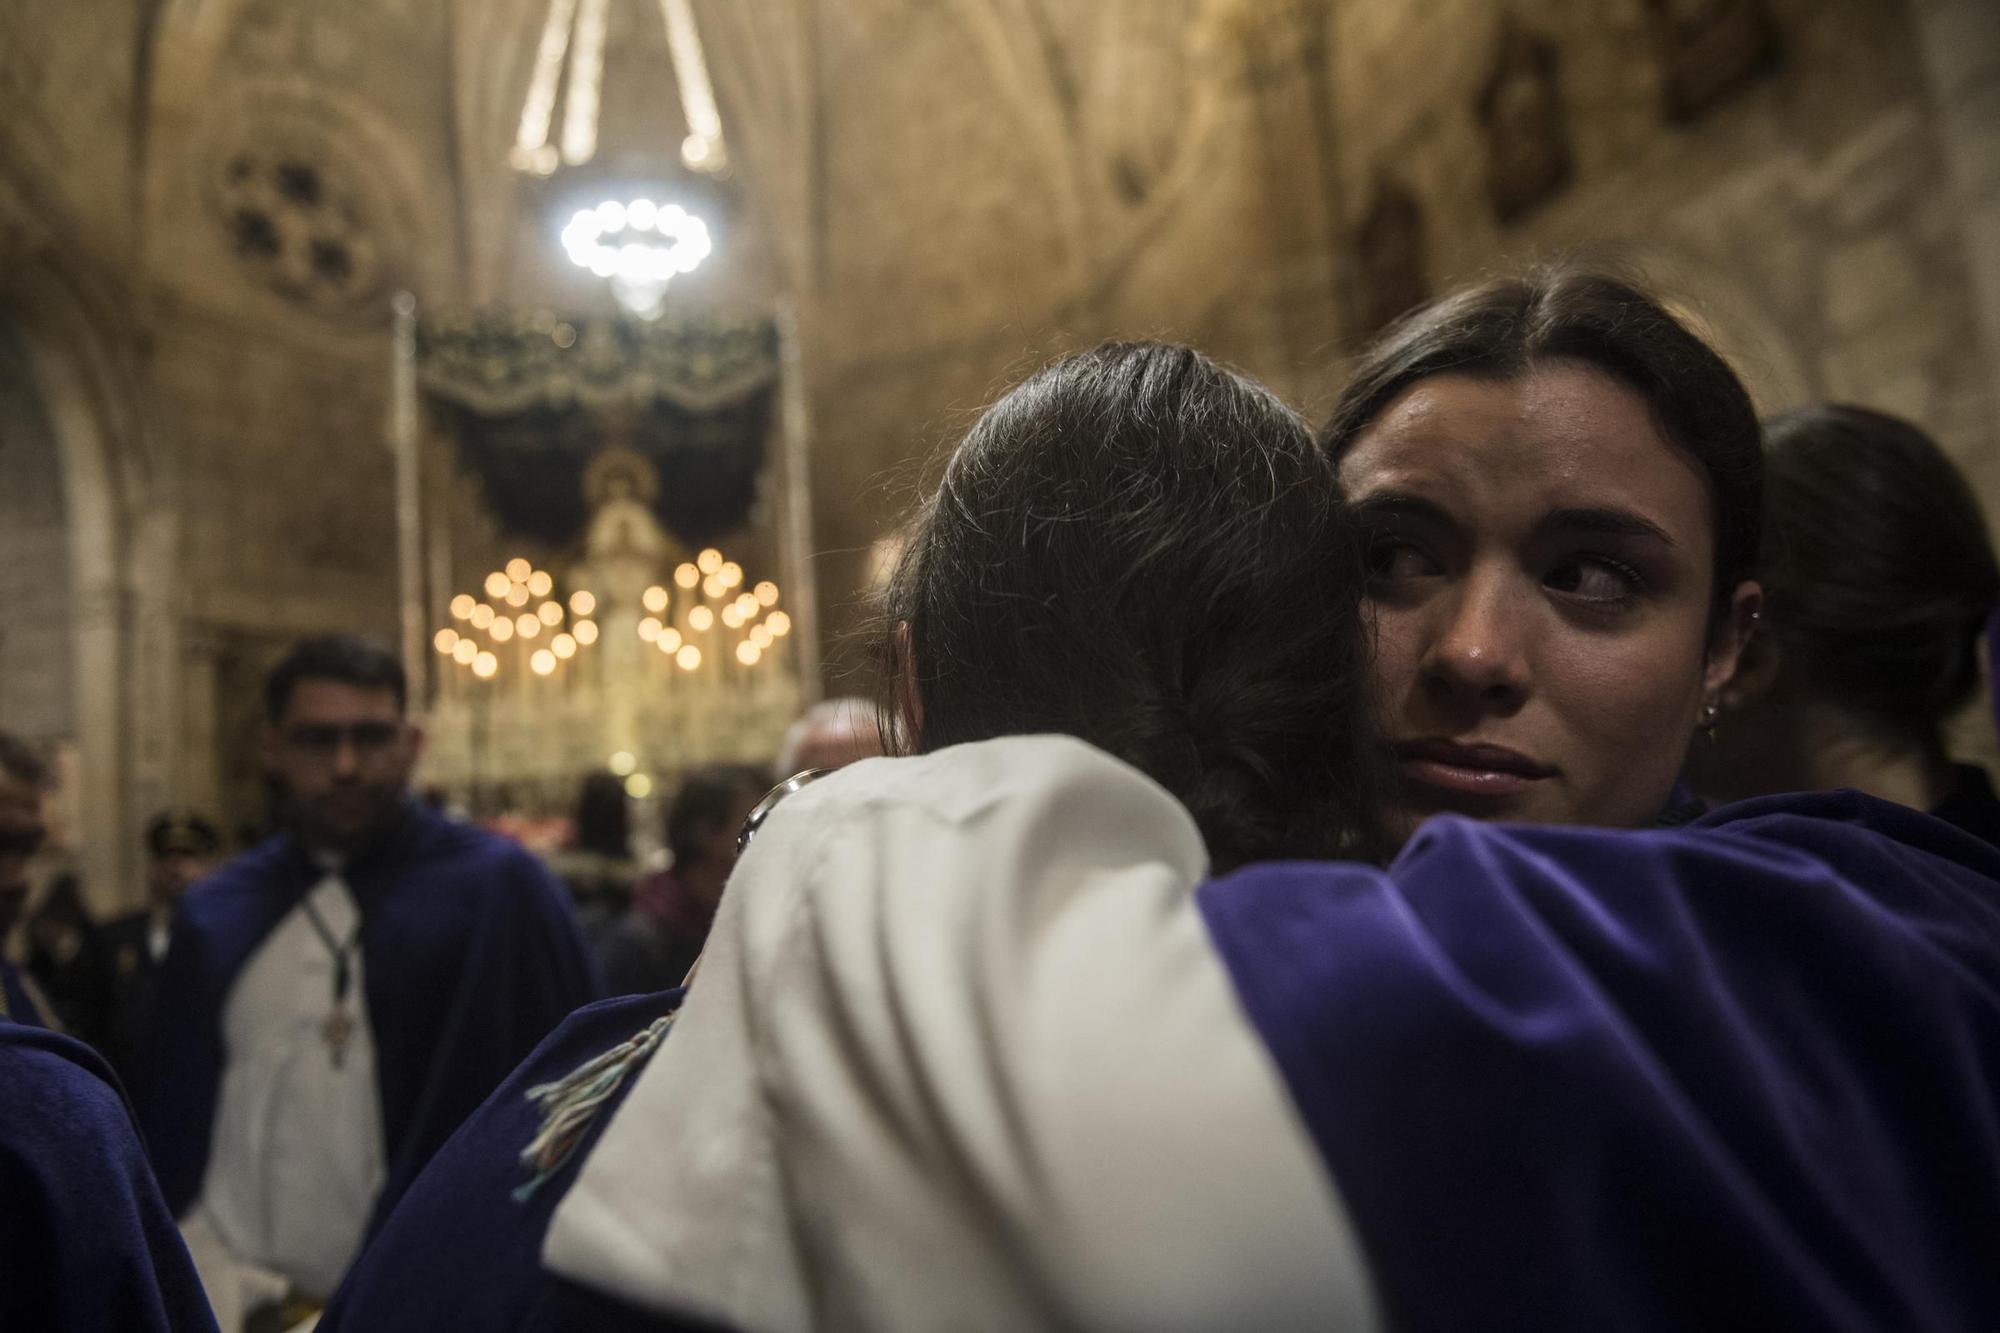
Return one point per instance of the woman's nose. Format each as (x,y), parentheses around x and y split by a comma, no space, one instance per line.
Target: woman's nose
(1478,657)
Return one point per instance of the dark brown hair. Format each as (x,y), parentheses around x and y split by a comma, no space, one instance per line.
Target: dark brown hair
(1879,572)
(350,659)
(1501,329)
(1145,550)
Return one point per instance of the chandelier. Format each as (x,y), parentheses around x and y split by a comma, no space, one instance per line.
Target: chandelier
(570,59)
(640,246)
(521,626)
(712,608)
(538,682)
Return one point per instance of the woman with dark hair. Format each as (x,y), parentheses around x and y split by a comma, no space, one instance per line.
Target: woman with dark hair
(1138,548)
(1143,555)
(1561,489)
(1879,578)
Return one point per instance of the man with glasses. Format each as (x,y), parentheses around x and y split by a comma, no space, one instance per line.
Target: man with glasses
(335,1001)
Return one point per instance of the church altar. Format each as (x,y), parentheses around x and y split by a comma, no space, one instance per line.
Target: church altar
(665,624)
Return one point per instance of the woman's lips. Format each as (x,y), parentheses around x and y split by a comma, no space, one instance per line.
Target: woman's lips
(1470,770)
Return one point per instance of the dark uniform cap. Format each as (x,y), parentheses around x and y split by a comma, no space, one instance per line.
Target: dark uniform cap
(181,833)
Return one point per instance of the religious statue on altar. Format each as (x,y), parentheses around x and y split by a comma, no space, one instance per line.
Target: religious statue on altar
(637,655)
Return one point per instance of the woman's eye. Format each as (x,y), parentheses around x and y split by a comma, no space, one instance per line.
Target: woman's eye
(1595,579)
(1390,559)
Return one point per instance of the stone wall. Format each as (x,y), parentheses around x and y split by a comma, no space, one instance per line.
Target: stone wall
(37,660)
(1814,218)
(1807,218)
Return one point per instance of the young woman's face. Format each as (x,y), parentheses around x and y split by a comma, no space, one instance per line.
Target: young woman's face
(1540,563)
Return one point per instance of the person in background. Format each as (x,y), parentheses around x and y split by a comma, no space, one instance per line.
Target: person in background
(23,783)
(597,865)
(57,935)
(831,734)
(1880,579)
(336,1000)
(661,935)
(122,958)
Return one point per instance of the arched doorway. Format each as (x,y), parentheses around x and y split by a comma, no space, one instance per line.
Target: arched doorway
(84,599)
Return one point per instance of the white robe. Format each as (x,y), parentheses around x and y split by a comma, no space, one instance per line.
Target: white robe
(961,1056)
(297,1155)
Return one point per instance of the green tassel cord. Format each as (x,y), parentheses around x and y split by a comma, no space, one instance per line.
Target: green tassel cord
(570,1104)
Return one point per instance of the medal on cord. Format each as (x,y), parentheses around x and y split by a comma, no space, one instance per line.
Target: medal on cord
(337,1028)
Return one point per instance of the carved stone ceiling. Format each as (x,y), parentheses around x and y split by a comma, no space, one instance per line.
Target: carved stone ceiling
(959,161)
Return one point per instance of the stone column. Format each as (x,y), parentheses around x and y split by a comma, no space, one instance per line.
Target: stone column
(155,692)
(201,747)
(405,442)
(1287,71)
(795,524)
(1960,44)
(103,850)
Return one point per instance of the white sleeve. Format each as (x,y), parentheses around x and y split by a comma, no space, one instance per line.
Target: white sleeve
(961,1055)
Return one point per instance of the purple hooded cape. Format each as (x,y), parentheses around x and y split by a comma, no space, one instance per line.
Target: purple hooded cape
(472,955)
(1743,1075)
(86,1243)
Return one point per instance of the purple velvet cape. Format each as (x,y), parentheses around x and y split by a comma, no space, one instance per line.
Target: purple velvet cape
(461,1251)
(1741,1075)
(86,1243)
(21,1006)
(471,955)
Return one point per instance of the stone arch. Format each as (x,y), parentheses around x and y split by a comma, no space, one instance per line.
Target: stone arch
(120,556)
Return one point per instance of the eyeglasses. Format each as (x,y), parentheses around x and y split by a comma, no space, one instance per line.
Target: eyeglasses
(762,810)
(317,738)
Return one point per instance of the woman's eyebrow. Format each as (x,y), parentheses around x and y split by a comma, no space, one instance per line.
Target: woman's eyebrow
(1400,504)
(1605,522)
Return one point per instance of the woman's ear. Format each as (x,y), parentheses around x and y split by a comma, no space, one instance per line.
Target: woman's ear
(909,703)
(1732,637)
(1757,668)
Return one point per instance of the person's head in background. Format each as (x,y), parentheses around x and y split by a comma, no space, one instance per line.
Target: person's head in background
(24,781)
(833,733)
(1879,575)
(604,817)
(1560,486)
(59,923)
(703,822)
(337,739)
(1147,551)
(181,847)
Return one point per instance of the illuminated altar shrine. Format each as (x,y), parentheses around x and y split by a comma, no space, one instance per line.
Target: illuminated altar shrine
(661,624)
